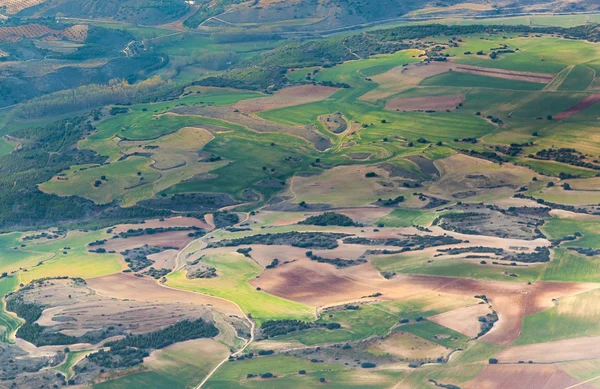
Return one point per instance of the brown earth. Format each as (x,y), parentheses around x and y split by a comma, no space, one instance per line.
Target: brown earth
(542,78)
(319,284)
(74,309)
(425,103)
(583,104)
(287,97)
(524,377)
(125,286)
(559,351)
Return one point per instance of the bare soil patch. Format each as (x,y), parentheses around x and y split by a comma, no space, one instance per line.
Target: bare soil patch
(334,122)
(125,286)
(408,346)
(583,104)
(560,351)
(463,320)
(425,103)
(74,309)
(164,260)
(404,77)
(524,377)
(319,284)
(286,97)
(542,78)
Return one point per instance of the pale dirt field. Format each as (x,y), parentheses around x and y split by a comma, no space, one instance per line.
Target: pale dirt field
(425,103)
(463,320)
(542,78)
(524,376)
(402,78)
(559,351)
(409,346)
(286,97)
(164,260)
(125,286)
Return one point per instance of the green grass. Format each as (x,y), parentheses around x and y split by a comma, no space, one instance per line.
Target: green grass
(233,375)
(371,320)
(436,333)
(578,79)
(71,359)
(574,316)
(419,264)
(74,262)
(183,365)
(234,272)
(8,323)
(557,228)
(457,79)
(568,266)
(408,217)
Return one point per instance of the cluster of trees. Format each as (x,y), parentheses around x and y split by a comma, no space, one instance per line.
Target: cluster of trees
(565,155)
(330,219)
(132,349)
(96,95)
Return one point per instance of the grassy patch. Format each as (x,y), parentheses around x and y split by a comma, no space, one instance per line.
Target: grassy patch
(574,316)
(234,271)
(436,333)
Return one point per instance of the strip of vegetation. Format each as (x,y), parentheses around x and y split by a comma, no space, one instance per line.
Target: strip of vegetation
(337,262)
(315,240)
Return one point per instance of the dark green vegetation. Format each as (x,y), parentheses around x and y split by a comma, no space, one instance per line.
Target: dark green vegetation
(132,349)
(329,219)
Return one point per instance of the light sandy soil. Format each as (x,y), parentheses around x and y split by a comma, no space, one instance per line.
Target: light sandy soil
(560,351)
(463,176)
(407,345)
(542,78)
(165,259)
(74,309)
(524,377)
(287,97)
(125,286)
(403,78)
(425,103)
(177,221)
(463,320)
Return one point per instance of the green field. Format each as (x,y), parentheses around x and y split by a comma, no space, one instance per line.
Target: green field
(8,323)
(235,271)
(371,320)
(233,375)
(578,79)
(419,264)
(574,316)
(436,333)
